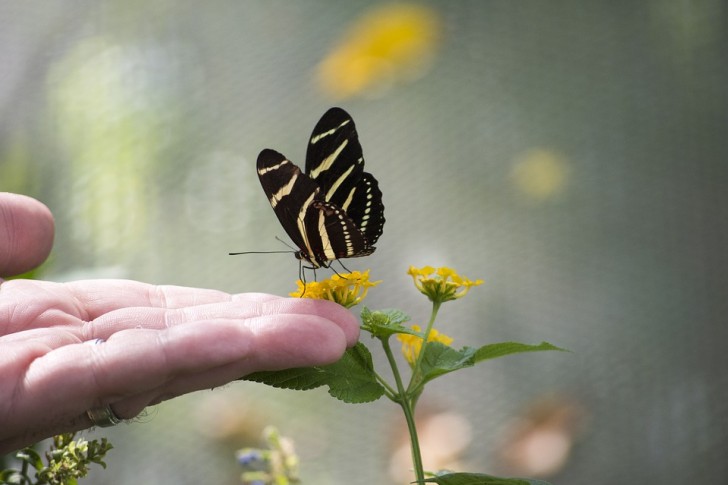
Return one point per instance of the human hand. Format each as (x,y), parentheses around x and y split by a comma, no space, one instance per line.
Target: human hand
(158,342)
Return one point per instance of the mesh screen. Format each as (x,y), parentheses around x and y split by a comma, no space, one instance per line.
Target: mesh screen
(571,154)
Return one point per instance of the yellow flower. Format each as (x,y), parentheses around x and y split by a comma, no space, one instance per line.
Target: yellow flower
(411,344)
(387,44)
(310,289)
(347,289)
(441,284)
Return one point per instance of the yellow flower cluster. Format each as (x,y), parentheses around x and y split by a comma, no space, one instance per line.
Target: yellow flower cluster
(347,289)
(386,45)
(411,344)
(441,284)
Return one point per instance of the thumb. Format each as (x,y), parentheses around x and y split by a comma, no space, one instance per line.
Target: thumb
(26,233)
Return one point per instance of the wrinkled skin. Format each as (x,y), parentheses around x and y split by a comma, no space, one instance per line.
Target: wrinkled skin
(158,341)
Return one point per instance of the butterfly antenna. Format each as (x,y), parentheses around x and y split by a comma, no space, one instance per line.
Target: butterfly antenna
(286,244)
(293,250)
(261,252)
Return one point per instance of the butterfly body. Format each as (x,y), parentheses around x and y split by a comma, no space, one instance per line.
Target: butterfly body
(335,209)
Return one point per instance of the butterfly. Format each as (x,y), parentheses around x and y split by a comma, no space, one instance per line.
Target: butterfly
(334,210)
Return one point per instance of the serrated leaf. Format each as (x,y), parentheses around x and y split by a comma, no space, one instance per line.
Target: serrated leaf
(351,379)
(493,351)
(394,316)
(480,479)
(440,359)
(385,323)
(365,313)
(299,379)
(385,331)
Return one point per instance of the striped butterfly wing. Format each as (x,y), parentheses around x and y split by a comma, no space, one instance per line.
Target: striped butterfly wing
(334,160)
(321,230)
(339,235)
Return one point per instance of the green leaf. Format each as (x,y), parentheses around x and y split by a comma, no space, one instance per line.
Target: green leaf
(480,479)
(440,359)
(492,351)
(351,379)
(299,379)
(12,477)
(384,316)
(31,457)
(385,323)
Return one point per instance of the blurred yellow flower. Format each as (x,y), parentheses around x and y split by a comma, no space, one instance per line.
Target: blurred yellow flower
(387,44)
(411,344)
(540,173)
(348,289)
(441,284)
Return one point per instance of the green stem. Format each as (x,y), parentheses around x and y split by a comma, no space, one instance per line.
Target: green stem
(24,472)
(415,380)
(389,391)
(406,403)
(395,370)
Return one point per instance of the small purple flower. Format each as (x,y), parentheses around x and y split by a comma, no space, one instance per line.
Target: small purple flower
(250,458)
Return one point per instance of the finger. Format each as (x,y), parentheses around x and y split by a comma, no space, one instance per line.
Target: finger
(26,233)
(27,304)
(275,343)
(334,312)
(102,296)
(137,367)
(257,305)
(33,304)
(51,338)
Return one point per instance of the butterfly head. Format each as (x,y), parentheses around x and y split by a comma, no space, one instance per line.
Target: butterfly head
(304,256)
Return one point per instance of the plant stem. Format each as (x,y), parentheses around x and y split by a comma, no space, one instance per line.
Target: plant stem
(407,404)
(388,390)
(24,472)
(415,380)
(408,408)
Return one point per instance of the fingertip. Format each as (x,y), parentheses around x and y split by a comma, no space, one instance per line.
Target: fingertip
(302,340)
(335,313)
(26,233)
(346,320)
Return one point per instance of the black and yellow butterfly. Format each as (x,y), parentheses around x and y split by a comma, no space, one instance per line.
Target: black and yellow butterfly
(335,209)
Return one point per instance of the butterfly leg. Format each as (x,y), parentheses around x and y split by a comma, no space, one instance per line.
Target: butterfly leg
(342,265)
(337,273)
(302,275)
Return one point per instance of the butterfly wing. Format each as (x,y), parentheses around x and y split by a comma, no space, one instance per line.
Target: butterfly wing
(291,193)
(321,230)
(337,235)
(335,209)
(334,160)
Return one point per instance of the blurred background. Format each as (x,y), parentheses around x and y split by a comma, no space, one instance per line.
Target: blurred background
(571,154)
